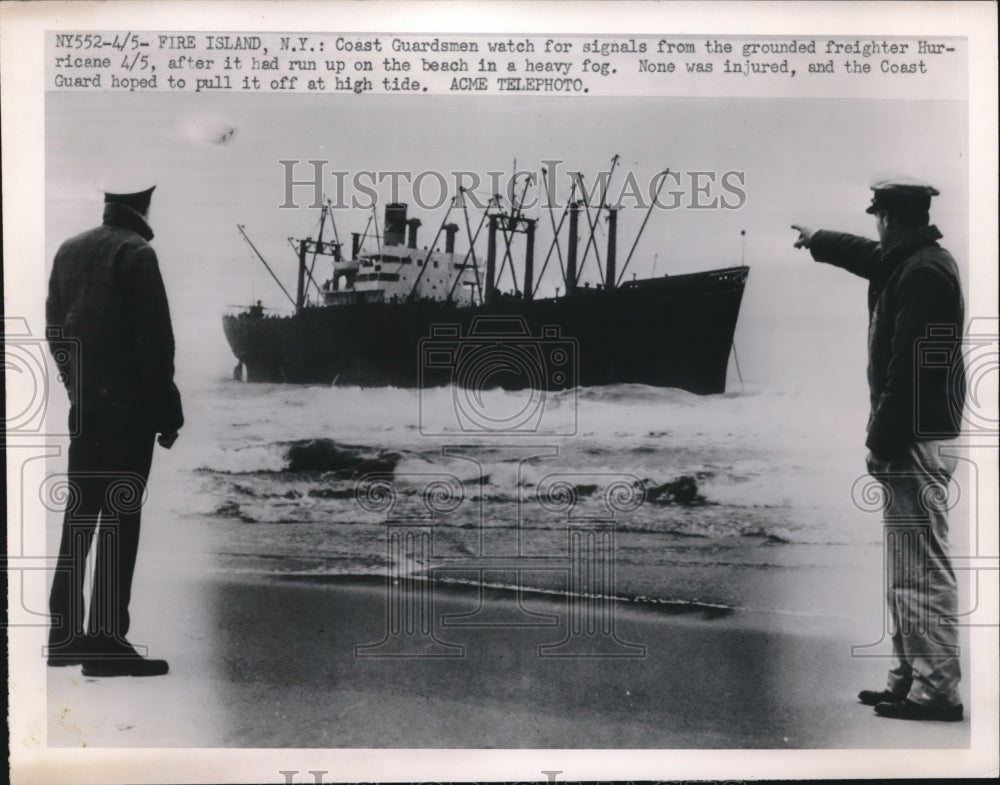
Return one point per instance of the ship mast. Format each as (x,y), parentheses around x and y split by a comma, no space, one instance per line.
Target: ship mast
(315,247)
(508,228)
(593,222)
(573,268)
(242,231)
(556,231)
(312,264)
(472,250)
(659,187)
(571,274)
(512,223)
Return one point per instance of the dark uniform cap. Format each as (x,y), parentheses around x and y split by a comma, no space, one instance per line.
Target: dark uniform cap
(137,200)
(900,191)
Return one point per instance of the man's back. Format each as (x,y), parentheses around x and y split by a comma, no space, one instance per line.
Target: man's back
(106,292)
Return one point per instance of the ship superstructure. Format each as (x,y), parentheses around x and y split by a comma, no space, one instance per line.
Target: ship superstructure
(371,322)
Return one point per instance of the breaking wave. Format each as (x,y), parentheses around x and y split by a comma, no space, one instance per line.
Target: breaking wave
(737,481)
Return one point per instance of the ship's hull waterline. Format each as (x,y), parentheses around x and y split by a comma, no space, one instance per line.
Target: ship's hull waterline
(674,331)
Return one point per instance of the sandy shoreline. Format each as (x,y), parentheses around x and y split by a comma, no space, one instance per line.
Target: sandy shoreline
(268,662)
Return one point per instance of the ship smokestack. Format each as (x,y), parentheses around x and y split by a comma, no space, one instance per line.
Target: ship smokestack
(395,223)
(355,245)
(413,224)
(450,230)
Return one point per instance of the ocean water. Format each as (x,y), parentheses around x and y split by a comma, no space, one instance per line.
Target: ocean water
(730,500)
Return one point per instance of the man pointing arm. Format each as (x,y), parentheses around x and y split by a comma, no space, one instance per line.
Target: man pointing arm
(914,296)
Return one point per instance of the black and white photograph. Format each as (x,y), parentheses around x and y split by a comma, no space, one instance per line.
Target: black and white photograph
(483,391)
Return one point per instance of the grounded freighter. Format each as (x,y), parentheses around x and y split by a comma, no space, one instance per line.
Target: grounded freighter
(405,317)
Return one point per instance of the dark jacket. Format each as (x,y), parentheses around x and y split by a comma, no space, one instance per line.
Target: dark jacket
(106,296)
(915,371)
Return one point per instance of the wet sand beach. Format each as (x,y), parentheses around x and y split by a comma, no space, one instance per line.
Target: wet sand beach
(268,662)
(257,583)
(723,682)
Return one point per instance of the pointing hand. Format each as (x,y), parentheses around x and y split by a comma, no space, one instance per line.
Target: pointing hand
(805,236)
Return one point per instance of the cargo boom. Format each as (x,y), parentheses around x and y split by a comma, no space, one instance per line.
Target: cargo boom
(407,318)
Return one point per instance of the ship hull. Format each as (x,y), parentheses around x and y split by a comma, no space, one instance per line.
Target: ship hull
(674,331)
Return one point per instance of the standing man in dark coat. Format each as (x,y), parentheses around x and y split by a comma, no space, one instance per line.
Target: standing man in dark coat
(106,293)
(915,304)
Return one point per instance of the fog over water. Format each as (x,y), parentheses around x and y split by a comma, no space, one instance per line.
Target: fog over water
(773,460)
(803,161)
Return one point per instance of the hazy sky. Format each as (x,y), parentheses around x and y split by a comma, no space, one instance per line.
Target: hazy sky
(804,161)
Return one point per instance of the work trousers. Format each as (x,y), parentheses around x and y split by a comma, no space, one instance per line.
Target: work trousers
(106,488)
(922,591)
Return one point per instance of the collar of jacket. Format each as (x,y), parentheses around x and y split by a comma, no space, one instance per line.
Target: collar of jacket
(124,217)
(927,235)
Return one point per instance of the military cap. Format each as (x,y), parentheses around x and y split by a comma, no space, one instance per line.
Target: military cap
(137,200)
(128,182)
(900,191)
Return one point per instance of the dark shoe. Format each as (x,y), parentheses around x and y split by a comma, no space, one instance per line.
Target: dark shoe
(873,697)
(120,659)
(72,652)
(908,710)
